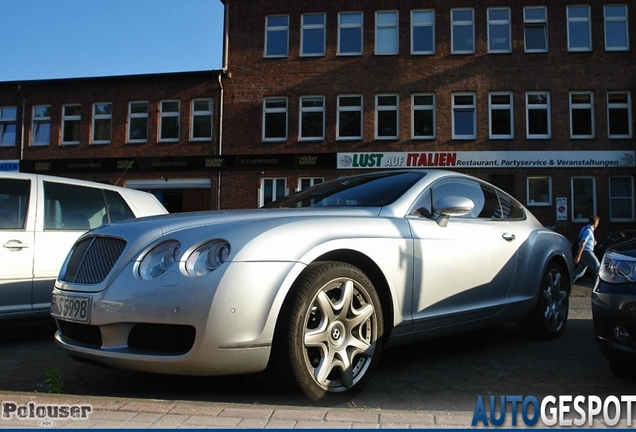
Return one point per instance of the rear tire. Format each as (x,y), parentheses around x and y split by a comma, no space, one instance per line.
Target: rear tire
(550,315)
(329,335)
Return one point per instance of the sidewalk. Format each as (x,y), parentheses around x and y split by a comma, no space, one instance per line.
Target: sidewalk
(117,413)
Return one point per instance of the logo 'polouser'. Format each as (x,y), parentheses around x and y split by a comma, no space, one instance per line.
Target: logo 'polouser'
(48,412)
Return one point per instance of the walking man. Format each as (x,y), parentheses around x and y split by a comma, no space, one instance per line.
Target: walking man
(585,254)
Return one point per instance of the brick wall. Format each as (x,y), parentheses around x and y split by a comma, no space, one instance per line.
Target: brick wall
(119,91)
(558,71)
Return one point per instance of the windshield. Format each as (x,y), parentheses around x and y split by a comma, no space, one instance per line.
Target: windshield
(367,190)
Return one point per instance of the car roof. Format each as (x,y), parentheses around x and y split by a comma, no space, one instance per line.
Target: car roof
(59,179)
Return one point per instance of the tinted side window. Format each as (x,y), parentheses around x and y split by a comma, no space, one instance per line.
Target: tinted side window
(116,207)
(423,205)
(511,209)
(72,207)
(14,202)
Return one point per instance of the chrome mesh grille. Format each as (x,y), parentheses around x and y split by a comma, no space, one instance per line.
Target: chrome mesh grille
(92,259)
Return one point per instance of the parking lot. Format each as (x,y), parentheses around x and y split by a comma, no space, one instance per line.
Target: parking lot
(435,376)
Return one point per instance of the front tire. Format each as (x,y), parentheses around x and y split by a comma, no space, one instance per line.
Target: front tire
(550,316)
(329,335)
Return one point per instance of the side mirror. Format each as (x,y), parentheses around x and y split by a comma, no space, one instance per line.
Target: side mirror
(449,206)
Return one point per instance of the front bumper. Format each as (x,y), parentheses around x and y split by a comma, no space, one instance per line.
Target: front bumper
(614,314)
(221,324)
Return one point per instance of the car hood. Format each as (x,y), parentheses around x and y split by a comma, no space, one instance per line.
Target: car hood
(254,235)
(178,221)
(627,248)
(241,227)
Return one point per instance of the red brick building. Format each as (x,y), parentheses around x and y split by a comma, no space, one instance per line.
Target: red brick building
(152,132)
(534,96)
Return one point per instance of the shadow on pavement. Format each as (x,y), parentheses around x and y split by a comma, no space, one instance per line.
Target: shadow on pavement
(441,374)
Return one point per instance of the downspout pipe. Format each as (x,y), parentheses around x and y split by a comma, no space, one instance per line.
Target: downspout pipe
(224,68)
(220,148)
(22,122)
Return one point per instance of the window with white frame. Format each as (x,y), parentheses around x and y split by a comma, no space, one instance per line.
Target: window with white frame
(138,122)
(583,191)
(201,120)
(349,117)
(464,116)
(423,116)
(350,33)
(621,192)
(500,112)
(170,115)
(619,115)
(275,119)
(579,28)
(8,126)
(277,36)
(386,116)
(616,29)
(307,182)
(386,33)
(102,122)
(499,30)
(423,31)
(535,29)
(462,31)
(538,115)
(312,35)
(582,115)
(71,119)
(271,190)
(41,125)
(312,118)
(539,190)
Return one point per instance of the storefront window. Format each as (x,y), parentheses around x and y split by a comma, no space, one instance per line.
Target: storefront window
(583,198)
(539,191)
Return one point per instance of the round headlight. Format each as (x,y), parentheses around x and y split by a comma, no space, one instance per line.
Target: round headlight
(618,268)
(159,260)
(207,257)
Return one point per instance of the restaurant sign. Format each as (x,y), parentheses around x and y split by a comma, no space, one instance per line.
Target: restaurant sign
(488,159)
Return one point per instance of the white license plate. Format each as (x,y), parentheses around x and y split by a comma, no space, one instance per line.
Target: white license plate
(73,308)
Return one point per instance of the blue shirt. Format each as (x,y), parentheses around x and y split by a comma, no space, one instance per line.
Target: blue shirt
(587,235)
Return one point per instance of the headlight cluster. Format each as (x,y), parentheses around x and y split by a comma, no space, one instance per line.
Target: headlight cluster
(202,260)
(207,257)
(618,268)
(159,259)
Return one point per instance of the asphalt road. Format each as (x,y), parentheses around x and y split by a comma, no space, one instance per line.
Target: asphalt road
(447,374)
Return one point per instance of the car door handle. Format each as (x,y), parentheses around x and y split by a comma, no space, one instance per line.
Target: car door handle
(508,237)
(15,244)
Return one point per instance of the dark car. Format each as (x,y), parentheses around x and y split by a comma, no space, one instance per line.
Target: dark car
(614,308)
(613,238)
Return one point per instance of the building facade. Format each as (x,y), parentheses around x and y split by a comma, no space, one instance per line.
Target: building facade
(150,132)
(534,96)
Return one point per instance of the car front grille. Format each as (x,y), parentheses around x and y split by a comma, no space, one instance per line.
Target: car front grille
(92,259)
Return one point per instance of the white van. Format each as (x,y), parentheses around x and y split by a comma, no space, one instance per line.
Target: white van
(41,217)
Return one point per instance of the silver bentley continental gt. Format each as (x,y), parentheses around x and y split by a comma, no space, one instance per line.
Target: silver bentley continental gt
(314,285)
